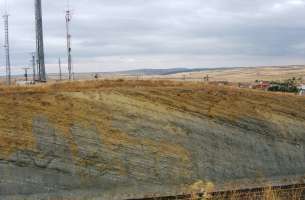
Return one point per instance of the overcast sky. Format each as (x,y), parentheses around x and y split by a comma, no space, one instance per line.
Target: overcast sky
(110,35)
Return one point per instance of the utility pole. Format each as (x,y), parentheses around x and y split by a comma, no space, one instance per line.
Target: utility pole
(59,65)
(7,49)
(207,78)
(68,22)
(26,73)
(39,42)
(34,67)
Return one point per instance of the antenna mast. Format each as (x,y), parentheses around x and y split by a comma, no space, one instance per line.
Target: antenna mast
(39,42)
(68,22)
(7,48)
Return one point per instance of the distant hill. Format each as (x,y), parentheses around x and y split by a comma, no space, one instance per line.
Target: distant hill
(171,71)
(150,72)
(231,74)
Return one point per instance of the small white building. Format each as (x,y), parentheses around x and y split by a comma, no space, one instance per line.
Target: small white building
(302,90)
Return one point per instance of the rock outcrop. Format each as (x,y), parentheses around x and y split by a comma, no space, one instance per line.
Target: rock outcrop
(117,140)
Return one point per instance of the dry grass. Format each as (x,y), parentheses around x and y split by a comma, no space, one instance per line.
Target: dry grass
(68,103)
(99,102)
(268,193)
(84,86)
(195,98)
(201,190)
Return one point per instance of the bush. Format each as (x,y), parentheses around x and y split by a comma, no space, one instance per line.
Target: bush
(289,85)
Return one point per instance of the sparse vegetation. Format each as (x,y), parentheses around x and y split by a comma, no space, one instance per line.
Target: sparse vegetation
(267,193)
(289,85)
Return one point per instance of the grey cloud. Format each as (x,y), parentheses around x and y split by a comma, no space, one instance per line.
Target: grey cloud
(164,33)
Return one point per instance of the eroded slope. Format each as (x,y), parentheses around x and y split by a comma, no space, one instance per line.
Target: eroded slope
(115,139)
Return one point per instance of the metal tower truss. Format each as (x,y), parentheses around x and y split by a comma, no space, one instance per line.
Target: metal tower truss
(7,49)
(39,43)
(68,21)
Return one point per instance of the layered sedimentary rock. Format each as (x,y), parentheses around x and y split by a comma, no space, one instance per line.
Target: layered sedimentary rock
(119,140)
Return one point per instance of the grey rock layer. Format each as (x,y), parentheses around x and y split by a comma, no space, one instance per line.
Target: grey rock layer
(159,153)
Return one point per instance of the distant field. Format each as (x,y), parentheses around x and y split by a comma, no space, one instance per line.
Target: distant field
(245,74)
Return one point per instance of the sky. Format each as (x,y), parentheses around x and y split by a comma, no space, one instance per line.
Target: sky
(112,35)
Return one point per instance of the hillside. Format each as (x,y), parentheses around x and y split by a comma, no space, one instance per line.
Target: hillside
(124,139)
